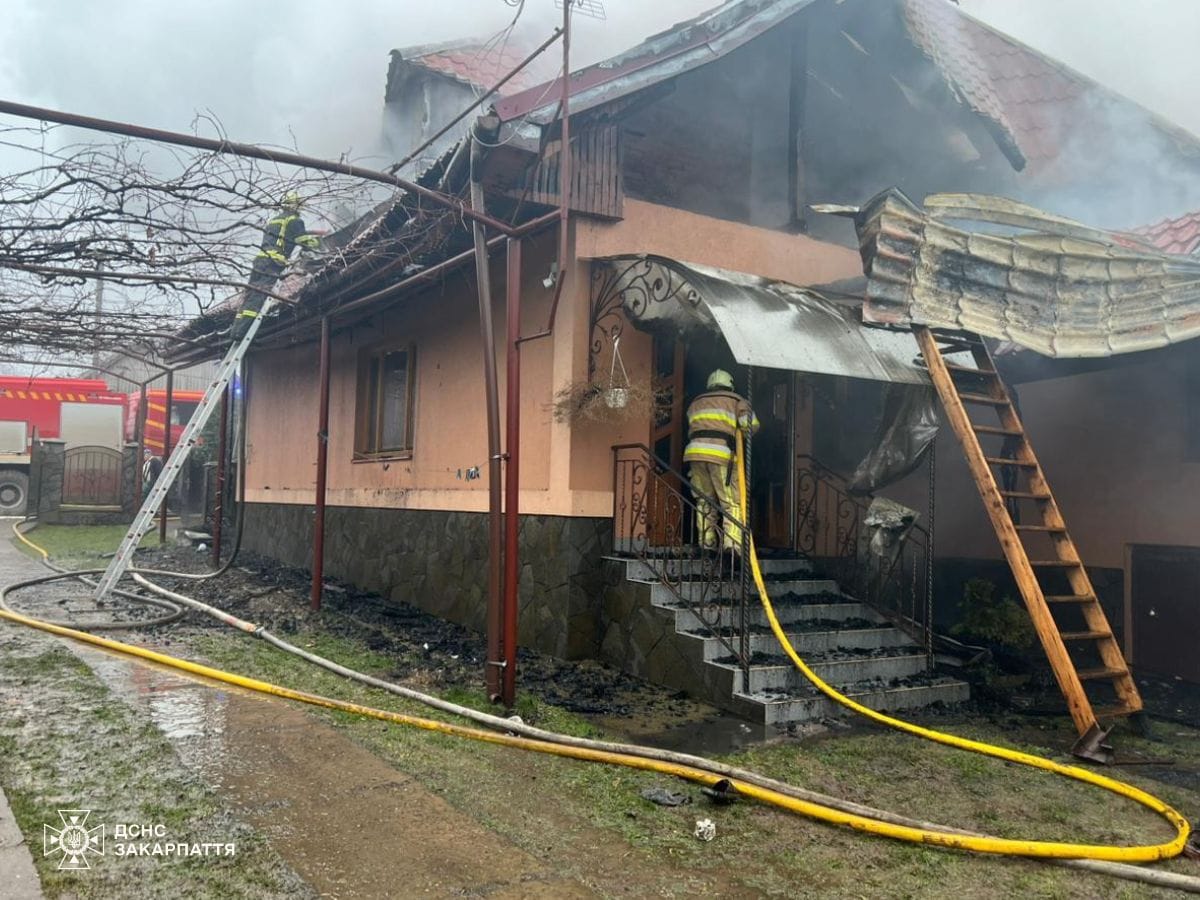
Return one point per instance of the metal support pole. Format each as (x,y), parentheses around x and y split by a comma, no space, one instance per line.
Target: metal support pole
(162,516)
(140,434)
(495,602)
(318,563)
(222,453)
(743,613)
(512,473)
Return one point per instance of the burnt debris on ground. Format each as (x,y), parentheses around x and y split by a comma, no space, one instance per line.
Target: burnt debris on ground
(425,650)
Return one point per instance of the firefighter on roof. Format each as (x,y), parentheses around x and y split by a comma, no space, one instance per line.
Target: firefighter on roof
(283,234)
(714,419)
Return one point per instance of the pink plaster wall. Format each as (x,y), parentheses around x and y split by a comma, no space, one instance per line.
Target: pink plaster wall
(662,231)
(564,470)
(1112,446)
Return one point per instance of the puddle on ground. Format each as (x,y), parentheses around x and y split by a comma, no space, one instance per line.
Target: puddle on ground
(347,822)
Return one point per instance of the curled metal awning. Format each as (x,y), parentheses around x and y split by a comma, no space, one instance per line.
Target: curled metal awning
(765,323)
(1041,281)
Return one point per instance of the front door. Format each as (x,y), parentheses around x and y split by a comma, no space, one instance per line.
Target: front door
(1164,610)
(771,454)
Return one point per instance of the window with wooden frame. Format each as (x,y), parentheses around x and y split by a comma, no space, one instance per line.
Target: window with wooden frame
(384,411)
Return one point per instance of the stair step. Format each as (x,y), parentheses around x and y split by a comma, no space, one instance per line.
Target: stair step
(1048,529)
(969,370)
(981,399)
(996,429)
(1069,598)
(1002,461)
(838,671)
(777,708)
(1025,495)
(1102,673)
(1056,563)
(1085,635)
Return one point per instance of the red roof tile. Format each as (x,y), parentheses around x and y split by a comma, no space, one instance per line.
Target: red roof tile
(1036,103)
(1180,235)
(478,64)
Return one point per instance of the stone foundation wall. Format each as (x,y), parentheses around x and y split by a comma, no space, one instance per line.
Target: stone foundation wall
(46,487)
(437,561)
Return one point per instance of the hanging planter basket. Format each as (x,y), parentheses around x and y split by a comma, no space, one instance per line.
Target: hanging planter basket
(620,400)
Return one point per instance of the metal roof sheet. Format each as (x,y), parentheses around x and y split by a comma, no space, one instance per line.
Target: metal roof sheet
(765,323)
(1041,281)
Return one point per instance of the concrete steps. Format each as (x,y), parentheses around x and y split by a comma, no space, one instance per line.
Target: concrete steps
(846,642)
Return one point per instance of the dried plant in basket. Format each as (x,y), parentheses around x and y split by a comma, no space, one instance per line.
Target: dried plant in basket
(586,401)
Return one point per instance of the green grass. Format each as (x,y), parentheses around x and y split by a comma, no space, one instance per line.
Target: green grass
(592,820)
(79,543)
(67,740)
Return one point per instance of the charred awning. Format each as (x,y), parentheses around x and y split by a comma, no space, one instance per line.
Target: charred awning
(1038,280)
(765,323)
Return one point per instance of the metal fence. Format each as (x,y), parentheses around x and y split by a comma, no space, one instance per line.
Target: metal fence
(92,476)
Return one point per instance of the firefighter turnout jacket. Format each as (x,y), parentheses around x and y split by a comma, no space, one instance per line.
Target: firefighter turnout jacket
(713,420)
(281,236)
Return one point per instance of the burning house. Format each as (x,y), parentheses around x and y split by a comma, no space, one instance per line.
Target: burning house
(698,162)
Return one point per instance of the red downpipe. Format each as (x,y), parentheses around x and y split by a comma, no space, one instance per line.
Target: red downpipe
(512,485)
(512,473)
(219,505)
(318,563)
(162,514)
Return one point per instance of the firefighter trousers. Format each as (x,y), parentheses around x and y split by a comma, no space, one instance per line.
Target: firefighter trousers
(715,525)
(263,274)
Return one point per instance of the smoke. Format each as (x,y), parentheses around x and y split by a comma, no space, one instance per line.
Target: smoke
(1145,51)
(301,73)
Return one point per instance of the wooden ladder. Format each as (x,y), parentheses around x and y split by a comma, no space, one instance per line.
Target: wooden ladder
(981,386)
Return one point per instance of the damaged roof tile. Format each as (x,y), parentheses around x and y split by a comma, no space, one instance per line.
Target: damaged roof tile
(1179,235)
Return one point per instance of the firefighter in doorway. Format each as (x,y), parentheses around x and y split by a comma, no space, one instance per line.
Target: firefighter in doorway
(283,234)
(714,418)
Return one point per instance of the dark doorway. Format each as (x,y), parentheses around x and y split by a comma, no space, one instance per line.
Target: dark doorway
(1165,610)
(772,455)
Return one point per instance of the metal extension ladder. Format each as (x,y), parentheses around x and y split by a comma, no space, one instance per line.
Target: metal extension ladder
(1091,640)
(154,500)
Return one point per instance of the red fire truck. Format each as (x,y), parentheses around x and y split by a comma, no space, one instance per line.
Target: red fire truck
(183,404)
(80,412)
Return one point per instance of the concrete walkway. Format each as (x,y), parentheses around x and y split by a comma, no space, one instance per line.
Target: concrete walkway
(18,878)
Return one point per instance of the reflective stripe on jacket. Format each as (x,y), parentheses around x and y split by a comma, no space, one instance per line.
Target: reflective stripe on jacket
(713,420)
(281,236)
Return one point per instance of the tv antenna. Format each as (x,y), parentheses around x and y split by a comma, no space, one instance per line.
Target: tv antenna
(593,9)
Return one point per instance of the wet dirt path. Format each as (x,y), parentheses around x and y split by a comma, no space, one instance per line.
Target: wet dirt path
(350,824)
(346,821)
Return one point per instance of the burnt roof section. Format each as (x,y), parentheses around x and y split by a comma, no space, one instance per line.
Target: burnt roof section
(689,44)
(474,62)
(1029,101)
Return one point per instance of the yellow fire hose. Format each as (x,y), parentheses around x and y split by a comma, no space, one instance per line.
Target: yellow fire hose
(979,844)
(991,845)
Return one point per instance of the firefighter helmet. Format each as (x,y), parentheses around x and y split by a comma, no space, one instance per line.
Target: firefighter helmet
(291,201)
(720,379)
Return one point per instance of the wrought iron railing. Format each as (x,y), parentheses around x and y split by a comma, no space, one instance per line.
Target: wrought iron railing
(889,569)
(657,521)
